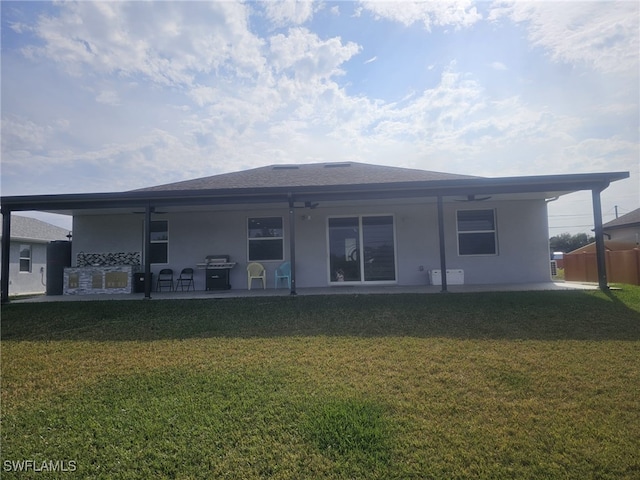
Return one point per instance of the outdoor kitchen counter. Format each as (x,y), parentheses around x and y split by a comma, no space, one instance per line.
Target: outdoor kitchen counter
(99,279)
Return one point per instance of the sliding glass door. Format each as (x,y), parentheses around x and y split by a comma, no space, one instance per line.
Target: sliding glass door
(344,249)
(362,249)
(378,253)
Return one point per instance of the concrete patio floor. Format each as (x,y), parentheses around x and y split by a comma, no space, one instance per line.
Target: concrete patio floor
(337,290)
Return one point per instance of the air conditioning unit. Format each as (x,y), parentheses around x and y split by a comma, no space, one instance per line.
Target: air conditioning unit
(454,277)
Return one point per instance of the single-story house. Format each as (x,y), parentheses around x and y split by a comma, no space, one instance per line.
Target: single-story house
(337,224)
(625,228)
(27,257)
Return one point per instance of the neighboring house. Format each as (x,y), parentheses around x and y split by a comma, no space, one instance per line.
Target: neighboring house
(28,253)
(338,224)
(625,228)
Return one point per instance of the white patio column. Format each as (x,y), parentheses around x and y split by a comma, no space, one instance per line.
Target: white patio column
(600,250)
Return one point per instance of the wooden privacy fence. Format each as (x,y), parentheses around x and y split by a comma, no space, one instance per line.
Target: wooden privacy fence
(623,266)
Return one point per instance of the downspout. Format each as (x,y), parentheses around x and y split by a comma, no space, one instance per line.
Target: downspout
(292,244)
(6,243)
(147,252)
(443,253)
(600,250)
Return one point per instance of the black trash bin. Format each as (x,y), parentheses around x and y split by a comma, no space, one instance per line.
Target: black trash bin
(138,282)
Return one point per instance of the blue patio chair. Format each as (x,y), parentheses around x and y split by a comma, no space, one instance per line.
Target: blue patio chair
(282,272)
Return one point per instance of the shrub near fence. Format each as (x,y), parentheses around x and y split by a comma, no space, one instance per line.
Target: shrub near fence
(623,266)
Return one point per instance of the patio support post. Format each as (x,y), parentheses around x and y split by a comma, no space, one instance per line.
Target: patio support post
(292,244)
(600,250)
(147,251)
(443,253)
(6,244)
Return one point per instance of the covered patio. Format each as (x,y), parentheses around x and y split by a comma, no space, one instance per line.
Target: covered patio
(289,197)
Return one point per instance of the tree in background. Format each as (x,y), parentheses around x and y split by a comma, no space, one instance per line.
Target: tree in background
(565,242)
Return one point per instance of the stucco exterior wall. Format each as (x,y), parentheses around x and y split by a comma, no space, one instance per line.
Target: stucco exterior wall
(523,244)
(522,240)
(106,233)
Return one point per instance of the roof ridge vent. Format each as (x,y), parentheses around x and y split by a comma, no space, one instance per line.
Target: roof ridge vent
(285,167)
(337,165)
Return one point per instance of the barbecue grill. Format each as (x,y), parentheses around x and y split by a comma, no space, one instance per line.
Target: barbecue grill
(216,269)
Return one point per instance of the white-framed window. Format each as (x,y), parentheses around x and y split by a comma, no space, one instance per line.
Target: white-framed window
(265,239)
(25,258)
(159,252)
(477,234)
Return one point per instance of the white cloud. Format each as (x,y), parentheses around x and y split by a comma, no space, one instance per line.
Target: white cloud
(165,42)
(108,97)
(602,154)
(601,35)
(454,126)
(21,135)
(19,27)
(498,66)
(202,95)
(371,60)
(305,56)
(456,13)
(288,12)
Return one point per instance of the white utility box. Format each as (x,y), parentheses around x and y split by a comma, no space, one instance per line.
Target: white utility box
(454,277)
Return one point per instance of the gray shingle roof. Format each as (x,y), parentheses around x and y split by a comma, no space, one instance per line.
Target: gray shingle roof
(626,220)
(27,228)
(314,174)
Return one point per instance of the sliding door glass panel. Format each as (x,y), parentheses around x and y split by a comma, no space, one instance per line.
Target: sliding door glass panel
(378,251)
(344,249)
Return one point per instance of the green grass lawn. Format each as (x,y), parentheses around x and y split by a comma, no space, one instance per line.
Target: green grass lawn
(488,385)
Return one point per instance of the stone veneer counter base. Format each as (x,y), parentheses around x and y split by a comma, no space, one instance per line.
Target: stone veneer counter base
(106,280)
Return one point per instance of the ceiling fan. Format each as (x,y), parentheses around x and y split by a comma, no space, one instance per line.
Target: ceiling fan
(310,205)
(153,210)
(473,198)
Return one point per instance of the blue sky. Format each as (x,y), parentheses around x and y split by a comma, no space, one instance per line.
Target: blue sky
(113,96)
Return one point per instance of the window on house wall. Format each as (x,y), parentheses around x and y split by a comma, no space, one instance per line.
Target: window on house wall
(265,239)
(25,258)
(477,232)
(159,252)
